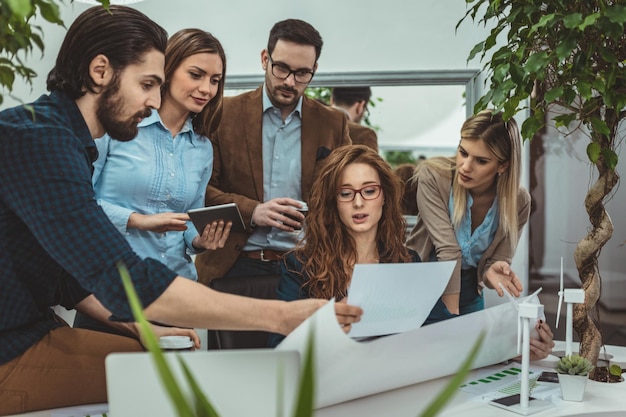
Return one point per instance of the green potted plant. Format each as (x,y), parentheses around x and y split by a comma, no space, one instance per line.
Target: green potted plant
(573,371)
(563,60)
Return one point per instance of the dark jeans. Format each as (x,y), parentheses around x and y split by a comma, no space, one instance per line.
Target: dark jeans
(246,267)
(470,300)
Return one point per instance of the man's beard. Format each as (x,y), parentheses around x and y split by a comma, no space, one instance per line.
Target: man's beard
(110,111)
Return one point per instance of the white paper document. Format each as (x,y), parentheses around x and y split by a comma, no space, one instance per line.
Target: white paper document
(346,369)
(396,297)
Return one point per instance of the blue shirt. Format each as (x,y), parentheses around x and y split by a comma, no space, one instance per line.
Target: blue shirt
(169,174)
(473,245)
(56,243)
(282,171)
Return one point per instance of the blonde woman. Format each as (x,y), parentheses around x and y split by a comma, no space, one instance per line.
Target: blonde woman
(472,210)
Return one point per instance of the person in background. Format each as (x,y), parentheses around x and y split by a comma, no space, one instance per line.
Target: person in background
(171,159)
(354,218)
(106,79)
(471,209)
(353,102)
(269,146)
(405,172)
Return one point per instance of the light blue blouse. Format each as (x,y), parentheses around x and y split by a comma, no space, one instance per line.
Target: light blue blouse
(155,173)
(473,245)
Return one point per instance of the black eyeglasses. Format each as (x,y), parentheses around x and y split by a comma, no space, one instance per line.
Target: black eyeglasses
(282,72)
(370,192)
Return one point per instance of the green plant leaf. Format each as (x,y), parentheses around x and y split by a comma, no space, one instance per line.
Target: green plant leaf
(536,62)
(22,8)
(452,387)
(600,126)
(203,406)
(610,158)
(149,340)
(616,13)
(530,126)
(570,21)
(616,370)
(589,21)
(593,152)
(306,393)
(553,94)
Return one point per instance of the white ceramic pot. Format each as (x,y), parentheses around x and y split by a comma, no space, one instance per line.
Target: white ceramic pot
(573,386)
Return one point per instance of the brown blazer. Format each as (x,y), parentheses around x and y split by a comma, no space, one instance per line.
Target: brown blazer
(238,165)
(363,135)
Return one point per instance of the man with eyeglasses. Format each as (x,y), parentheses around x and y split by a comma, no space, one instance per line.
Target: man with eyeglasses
(353,102)
(270,144)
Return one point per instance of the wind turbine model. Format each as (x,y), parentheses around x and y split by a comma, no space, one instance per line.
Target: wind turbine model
(523,404)
(571,296)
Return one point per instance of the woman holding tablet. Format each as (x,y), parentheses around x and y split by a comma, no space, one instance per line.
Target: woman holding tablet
(171,159)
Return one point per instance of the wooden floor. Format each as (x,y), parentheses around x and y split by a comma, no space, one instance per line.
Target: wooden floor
(612,324)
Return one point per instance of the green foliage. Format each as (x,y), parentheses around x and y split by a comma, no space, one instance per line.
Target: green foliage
(321,94)
(615,369)
(202,406)
(564,55)
(396,158)
(19,37)
(573,365)
(167,377)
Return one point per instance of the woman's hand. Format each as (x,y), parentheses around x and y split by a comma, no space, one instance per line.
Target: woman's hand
(542,347)
(501,273)
(158,223)
(214,236)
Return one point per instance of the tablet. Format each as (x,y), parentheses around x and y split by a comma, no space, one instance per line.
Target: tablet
(227,212)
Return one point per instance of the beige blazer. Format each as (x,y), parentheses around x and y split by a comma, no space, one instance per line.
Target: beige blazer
(434,230)
(238,165)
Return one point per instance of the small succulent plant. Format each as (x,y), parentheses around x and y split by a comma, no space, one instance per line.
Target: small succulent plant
(573,365)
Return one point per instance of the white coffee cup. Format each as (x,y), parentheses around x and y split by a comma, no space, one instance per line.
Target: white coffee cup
(176,343)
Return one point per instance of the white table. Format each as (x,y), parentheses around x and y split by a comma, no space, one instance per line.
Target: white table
(410,401)
(601,399)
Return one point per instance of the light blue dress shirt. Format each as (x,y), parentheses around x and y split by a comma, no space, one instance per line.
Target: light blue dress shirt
(282,171)
(155,173)
(473,245)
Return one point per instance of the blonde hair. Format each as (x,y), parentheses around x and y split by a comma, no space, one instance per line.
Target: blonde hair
(504,142)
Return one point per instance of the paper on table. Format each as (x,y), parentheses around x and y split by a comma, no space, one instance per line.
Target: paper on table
(346,369)
(396,297)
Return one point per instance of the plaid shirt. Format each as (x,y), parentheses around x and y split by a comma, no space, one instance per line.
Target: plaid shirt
(56,244)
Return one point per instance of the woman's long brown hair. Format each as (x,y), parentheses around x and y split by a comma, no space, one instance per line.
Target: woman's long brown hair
(328,251)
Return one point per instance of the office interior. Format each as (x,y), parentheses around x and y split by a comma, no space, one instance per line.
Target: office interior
(407,51)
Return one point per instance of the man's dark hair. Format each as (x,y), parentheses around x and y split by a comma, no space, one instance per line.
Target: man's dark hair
(124,35)
(296,31)
(347,96)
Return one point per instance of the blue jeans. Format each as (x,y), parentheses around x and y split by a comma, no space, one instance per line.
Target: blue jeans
(469,302)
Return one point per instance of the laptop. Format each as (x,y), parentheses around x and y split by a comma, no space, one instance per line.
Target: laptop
(246,382)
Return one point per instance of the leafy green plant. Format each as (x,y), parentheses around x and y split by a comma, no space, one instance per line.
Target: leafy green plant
(574,365)
(19,37)
(564,61)
(616,370)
